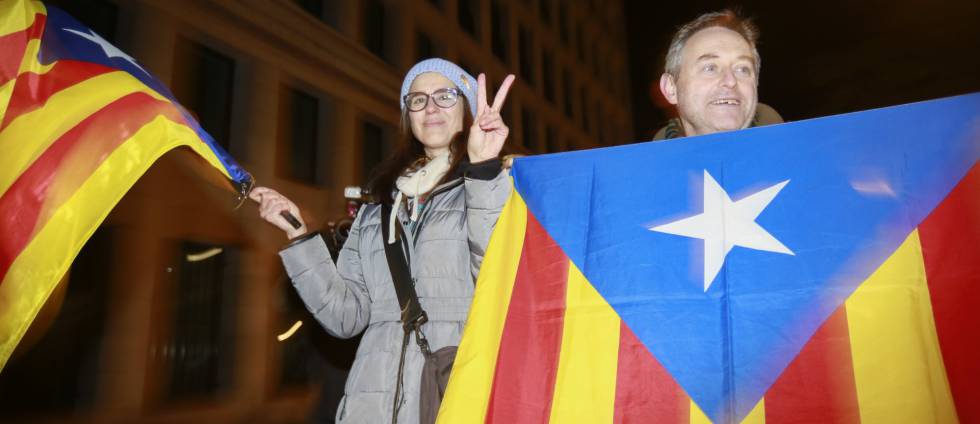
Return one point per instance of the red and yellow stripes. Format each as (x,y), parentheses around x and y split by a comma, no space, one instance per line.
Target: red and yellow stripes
(530,345)
(468,395)
(950,237)
(25,137)
(903,347)
(818,386)
(48,254)
(74,137)
(65,165)
(18,28)
(898,369)
(645,391)
(32,90)
(548,348)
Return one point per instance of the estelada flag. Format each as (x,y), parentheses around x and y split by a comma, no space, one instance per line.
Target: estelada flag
(80,122)
(819,271)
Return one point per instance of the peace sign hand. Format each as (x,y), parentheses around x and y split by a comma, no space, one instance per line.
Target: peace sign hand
(488,133)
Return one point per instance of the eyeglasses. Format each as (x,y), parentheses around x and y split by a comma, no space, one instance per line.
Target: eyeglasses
(444,98)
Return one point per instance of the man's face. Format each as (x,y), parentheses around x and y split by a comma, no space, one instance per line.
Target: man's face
(716,86)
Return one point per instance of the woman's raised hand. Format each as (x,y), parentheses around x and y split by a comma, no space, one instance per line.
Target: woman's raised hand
(488,133)
(271,206)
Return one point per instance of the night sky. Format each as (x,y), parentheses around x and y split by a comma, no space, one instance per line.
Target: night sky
(824,58)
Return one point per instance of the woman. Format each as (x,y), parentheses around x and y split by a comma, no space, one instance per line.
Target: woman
(448,187)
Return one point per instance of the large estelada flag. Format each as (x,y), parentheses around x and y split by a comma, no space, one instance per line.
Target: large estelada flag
(814,272)
(80,122)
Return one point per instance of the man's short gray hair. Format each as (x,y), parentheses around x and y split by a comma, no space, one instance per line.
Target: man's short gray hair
(725,19)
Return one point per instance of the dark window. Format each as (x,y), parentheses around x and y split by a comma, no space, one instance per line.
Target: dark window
(544,9)
(566,81)
(313,7)
(508,112)
(376,20)
(580,45)
(327,11)
(527,54)
(619,83)
(553,143)
(600,124)
(467,11)
(612,131)
(309,356)
(529,125)
(99,15)
(597,60)
(376,148)
(563,24)
(300,133)
(500,39)
(295,326)
(199,355)
(424,47)
(58,371)
(204,84)
(548,77)
(586,119)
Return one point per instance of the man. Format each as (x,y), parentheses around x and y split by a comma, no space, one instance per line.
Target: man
(712,77)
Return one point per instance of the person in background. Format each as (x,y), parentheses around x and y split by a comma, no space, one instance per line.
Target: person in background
(711,76)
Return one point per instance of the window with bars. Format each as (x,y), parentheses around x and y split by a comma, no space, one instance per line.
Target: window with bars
(198,355)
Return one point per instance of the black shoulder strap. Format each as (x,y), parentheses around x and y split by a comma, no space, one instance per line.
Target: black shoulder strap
(412,313)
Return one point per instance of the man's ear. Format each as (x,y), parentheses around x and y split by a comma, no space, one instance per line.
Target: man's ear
(668,88)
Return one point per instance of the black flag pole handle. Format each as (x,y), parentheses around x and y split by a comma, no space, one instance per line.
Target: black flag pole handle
(290,219)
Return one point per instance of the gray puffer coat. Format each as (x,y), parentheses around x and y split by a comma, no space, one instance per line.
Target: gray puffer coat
(446,249)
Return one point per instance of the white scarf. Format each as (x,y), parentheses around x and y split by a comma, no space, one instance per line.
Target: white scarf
(416,183)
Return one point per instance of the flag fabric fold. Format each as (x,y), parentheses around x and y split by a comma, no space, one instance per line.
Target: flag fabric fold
(80,122)
(817,271)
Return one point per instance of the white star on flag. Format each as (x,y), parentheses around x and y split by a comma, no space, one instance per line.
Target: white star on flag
(107,47)
(725,224)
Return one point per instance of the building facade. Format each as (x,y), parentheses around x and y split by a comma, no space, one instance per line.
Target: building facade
(178,310)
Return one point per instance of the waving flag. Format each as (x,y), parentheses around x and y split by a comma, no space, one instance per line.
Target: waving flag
(80,122)
(813,272)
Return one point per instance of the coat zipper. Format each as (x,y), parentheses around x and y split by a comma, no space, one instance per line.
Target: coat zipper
(425,213)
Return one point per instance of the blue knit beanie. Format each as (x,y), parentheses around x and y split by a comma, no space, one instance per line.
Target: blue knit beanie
(463,80)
